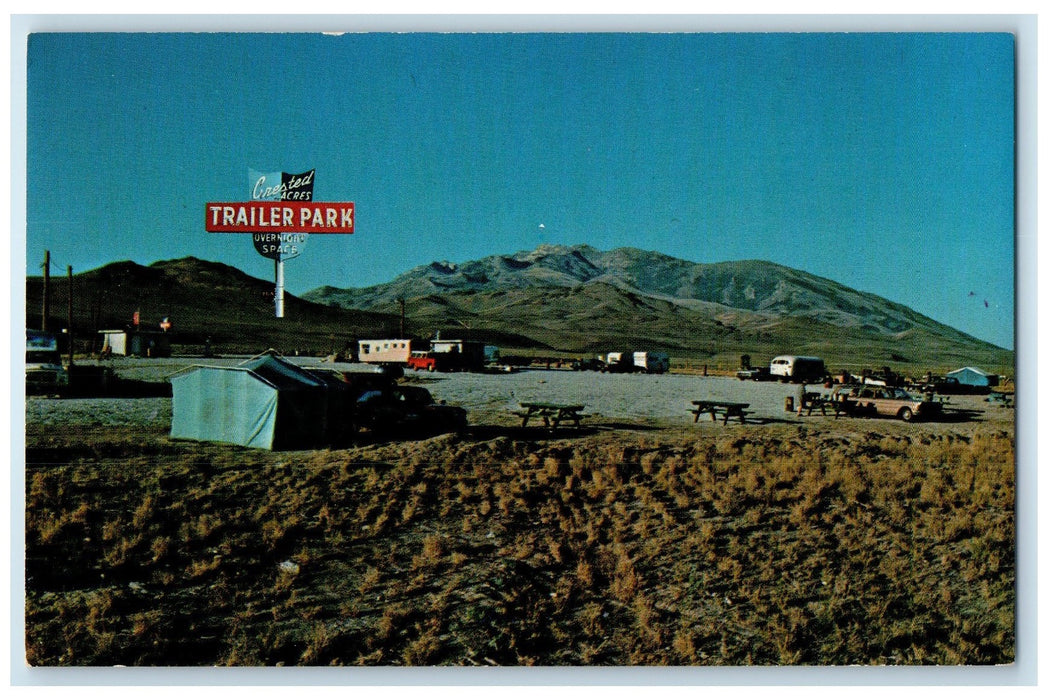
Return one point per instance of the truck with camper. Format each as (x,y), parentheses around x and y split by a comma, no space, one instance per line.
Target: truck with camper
(44,371)
(797,368)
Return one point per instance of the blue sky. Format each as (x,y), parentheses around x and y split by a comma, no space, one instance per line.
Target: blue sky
(884,161)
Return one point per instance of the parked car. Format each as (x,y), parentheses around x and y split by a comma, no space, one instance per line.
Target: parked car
(757,374)
(421,360)
(375,402)
(418,412)
(618,362)
(588,363)
(950,385)
(892,402)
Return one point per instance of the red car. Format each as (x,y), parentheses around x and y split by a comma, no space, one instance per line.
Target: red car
(421,360)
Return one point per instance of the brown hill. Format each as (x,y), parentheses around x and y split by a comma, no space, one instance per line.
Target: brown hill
(203,300)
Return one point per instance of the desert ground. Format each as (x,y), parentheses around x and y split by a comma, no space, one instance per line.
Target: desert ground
(644,538)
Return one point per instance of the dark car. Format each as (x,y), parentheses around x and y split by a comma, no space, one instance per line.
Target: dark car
(950,385)
(594,364)
(418,411)
(375,402)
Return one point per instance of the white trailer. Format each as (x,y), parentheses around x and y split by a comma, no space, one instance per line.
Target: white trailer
(651,362)
(797,368)
(394,351)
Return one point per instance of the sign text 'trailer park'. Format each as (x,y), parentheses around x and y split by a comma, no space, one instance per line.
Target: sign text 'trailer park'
(284,216)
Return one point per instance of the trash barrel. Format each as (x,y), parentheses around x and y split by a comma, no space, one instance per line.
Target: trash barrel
(789,404)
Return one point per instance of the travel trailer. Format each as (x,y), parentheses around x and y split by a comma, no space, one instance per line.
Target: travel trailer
(793,368)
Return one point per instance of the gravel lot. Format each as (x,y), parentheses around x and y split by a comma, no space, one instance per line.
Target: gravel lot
(487,397)
(630,396)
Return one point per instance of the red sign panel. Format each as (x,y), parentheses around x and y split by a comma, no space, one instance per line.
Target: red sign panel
(282,216)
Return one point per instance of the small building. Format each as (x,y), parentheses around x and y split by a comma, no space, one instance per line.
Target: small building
(973,376)
(137,343)
(457,355)
(114,342)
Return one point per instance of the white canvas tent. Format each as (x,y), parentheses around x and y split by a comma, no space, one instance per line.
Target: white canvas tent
(265,402)
(973,376)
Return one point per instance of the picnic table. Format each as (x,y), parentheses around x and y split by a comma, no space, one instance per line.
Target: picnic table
(552,414)
(820,402)
(728,409)
(1006,400)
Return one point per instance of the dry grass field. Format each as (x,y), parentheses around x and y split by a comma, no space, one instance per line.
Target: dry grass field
(830,542)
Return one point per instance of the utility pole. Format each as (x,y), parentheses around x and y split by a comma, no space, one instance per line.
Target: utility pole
(69,274)
(401,300)
(47,290)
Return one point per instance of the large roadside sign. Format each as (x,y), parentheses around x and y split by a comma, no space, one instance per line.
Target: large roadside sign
(279,216)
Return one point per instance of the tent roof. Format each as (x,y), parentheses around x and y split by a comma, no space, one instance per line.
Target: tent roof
(269,368)
(971,369)
(279,372)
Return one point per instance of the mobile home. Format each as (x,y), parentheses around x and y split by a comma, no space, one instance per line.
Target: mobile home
(395,351)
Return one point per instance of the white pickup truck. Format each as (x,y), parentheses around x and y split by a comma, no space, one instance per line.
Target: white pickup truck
(44,372)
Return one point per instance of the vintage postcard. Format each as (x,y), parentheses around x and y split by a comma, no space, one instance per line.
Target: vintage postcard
(572,349)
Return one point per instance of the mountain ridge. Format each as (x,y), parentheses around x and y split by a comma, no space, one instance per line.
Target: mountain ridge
(560,300)
(753,286)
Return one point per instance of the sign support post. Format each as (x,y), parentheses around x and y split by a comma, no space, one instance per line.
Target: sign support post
(278,297)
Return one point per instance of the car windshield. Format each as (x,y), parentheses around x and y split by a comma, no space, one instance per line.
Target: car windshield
(43,357)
